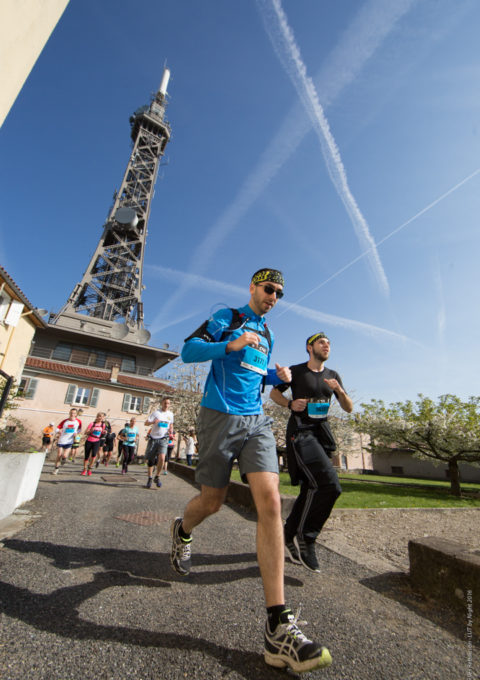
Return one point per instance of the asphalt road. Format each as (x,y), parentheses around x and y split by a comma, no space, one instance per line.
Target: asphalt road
(87,591)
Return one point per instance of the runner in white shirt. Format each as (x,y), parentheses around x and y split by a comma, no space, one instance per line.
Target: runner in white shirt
(162,429)
(66,431)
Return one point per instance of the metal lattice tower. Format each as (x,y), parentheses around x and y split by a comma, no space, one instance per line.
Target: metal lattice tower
(107,301)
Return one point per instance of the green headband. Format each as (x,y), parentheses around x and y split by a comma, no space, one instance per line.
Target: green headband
(314,337)
(273,275)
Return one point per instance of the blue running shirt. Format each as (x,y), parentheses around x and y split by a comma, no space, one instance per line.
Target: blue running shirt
(231,387)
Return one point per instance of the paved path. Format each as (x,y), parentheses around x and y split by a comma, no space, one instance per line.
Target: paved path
(87,594)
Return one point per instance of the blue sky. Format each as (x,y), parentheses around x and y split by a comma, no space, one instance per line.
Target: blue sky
(337,141)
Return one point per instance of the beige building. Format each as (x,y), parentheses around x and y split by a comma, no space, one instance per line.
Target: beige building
(352,455)
(25,27)
(401,463)
(67,368)
(19,320)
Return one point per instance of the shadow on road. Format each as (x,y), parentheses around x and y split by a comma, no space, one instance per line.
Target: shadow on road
(57,612)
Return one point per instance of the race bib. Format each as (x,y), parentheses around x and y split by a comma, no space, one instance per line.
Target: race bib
(97,432)
(70,429)
(255,359)
(318,409)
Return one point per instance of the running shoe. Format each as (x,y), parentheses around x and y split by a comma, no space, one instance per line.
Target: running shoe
(165,472)
(148,485)
(89,473)
(291,550)
(181,554)
(84,472)
(306,553)
(158,482)
(288,646)
(55,471)
(97,463)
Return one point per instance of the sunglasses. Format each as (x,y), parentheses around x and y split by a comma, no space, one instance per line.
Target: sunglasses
(270,290)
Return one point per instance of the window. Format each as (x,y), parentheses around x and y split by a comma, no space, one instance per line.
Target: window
(83,355)
(27,388)
(397,470)
(132,403)
(80,396)
(5,301)
(62,351)
(128,365)
(79,356)
(98,358)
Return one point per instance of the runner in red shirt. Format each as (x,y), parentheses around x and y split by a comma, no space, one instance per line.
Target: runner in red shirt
(66,432)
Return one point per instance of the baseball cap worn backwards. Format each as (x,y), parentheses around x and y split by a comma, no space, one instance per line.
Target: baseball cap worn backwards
(273,275)
(314,337)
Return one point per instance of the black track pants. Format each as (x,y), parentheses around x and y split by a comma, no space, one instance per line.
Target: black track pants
(319,489)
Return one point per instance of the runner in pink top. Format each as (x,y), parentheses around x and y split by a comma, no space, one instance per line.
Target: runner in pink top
(94,432)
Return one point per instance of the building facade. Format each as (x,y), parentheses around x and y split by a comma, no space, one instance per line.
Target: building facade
(66,369)
(19,320)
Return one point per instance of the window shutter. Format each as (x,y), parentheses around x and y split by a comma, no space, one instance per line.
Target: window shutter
(95,395)
(31,389)
(70,396)
(126,402)
(146,404)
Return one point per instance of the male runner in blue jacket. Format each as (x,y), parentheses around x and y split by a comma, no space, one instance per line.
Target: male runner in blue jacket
(231,426)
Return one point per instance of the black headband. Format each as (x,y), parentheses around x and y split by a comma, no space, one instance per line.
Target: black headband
(273,275)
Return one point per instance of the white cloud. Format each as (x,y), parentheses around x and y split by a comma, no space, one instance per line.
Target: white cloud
(373,23)
(392,233)
(283,41)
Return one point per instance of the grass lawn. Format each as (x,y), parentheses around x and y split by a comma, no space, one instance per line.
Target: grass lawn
(409,493)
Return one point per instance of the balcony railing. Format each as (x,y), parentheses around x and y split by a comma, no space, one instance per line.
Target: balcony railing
(90,360)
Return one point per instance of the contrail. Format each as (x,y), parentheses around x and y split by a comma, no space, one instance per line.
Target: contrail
(392,233)
(373,23)
(283,41)
(197,281)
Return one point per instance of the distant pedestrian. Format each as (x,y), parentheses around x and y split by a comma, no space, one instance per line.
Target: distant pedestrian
(75,446)
(47,437)
(119,458)
(107,429)
(162,429)
(129,435)
(169,454)
(66,431)
(190,443)
(108,445)
(93,433)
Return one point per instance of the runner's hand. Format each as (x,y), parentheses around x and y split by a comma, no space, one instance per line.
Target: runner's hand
(298,405)
(284,373)
(248,338)
(334,385)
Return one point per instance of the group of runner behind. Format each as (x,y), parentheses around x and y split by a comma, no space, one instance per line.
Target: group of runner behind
(99,441)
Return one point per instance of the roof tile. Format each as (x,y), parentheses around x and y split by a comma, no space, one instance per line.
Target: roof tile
(87,373)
